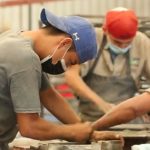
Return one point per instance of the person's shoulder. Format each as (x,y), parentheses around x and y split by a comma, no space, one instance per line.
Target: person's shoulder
(99,34)
(140,35)
(19,50)
(11,39)
(99,31)
(140,38)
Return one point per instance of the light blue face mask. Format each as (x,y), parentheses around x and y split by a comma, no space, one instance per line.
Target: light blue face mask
(117,50)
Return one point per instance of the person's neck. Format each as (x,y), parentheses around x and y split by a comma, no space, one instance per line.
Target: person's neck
(30,35)
(37,38)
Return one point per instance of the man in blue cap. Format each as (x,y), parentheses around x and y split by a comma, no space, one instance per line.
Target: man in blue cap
(24,57)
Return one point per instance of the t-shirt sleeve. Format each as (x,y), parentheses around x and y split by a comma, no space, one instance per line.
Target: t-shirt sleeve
(45,83)
(24,90)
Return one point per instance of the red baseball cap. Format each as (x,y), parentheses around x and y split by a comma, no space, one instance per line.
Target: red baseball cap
(121,23)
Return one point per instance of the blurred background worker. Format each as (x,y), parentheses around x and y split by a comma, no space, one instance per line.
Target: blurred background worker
(123,57)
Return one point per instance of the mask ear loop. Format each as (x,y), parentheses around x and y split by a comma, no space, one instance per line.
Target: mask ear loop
(67,48)
(63,64)
(63,60)
(45,59)
(50,56)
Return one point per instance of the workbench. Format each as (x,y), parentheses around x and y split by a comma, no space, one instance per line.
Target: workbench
(133,134)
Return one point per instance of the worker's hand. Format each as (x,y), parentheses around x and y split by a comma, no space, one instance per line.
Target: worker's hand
(81,132)
(106,107)
(105,135)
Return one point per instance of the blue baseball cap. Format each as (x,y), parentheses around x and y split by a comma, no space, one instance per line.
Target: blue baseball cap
(81,31)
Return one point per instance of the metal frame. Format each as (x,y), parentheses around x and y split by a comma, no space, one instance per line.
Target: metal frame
(21,2)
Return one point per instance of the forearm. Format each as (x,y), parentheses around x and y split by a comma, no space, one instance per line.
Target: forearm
(40,129)
(32,126)
(114,117)
(82,90)
(56,104)
(125,112)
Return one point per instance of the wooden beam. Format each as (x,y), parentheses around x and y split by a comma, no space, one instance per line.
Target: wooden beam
(22,2)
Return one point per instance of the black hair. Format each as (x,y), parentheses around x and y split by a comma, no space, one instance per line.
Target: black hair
(52,30)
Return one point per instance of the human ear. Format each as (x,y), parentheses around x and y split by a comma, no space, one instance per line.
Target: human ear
(66,42)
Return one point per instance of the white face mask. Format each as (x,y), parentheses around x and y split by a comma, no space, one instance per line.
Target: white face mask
(117,50)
